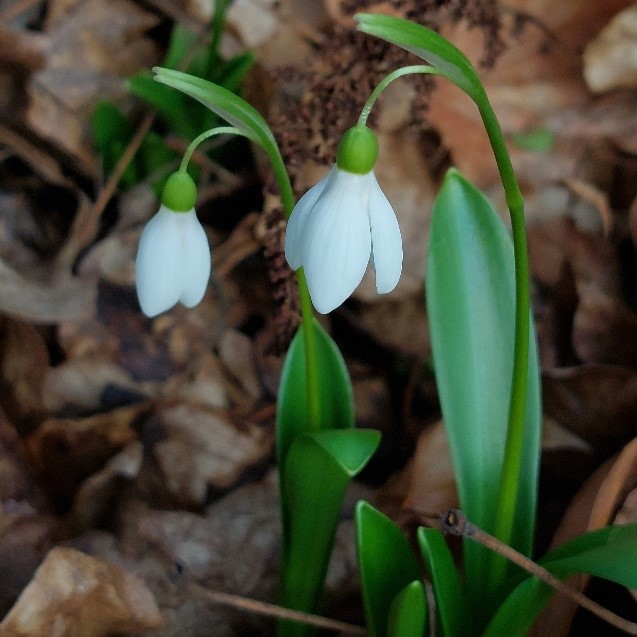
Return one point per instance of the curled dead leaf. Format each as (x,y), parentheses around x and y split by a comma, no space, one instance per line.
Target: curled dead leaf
(201,447)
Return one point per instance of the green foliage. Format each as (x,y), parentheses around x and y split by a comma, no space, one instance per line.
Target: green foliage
(450,603)
(315,468)
(408,612)
(471,306)
(112,130)
(387,565)
(318,467)
(610,553)
(335,388)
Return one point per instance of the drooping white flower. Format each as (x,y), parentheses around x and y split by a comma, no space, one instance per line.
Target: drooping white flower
(173,259)
(341,222)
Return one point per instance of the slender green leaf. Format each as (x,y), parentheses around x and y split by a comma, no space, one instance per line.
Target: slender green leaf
(426,44)
(408,612)
(471,306)
(610,553)
(450,605)
(386,564)
(318,468)
(224,103)
(335,389)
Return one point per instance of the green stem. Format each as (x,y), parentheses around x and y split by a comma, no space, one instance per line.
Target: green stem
(387,80)
(219,130)
(307,311)
(510,477)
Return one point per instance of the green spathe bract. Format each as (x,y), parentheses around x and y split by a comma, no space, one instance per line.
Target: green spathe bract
(358,150)
(471,308)
(180,192)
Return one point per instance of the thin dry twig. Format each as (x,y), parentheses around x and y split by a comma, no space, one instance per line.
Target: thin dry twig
(271,610)
(455,522)
(86,223)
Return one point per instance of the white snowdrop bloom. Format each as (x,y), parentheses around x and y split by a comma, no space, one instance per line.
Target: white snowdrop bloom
(173,259)
(341,222)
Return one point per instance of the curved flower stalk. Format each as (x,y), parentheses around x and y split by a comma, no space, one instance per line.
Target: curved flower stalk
(341,222)
(173,259)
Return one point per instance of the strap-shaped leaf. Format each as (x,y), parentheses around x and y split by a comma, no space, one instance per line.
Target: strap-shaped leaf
(386,564)
(335,390)
(317,470)
(610,553)
(227,105)
(471,306)
(408,612)
(450,605)
(426,44)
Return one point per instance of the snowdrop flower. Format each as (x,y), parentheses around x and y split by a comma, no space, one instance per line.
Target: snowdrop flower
(173,259)
(342,221)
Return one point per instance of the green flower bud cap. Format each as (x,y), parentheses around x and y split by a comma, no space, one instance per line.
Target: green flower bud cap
(180,192)
(358,150)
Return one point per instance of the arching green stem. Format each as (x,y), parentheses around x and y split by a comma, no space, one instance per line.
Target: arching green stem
(510,478)
(219,130)
(307,313)
(387,80)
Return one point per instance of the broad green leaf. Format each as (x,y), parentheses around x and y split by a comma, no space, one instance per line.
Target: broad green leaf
(225,104)
(538,140)
(335,390)
(426,44)
(318,467)
(471,306)
(450,605)
(408,612)
(386,564)
(610,553)
(170,105)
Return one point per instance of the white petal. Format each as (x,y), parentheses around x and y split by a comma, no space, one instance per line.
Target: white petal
(297,220)
(158,264)
(337,241)
(387,244)
(195,266)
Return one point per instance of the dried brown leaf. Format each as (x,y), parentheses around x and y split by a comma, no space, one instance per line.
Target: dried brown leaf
(596,402)
(201,448)
(60,299)
(596,505)
(93,46)
(610,60)
(75,595)
(24,360)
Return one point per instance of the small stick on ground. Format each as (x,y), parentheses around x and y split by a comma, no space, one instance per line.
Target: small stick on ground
(455,522)
(271,610)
